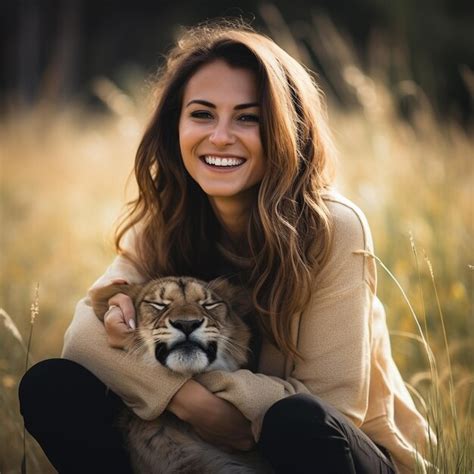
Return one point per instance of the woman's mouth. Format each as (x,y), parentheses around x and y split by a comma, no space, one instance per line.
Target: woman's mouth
(221,162)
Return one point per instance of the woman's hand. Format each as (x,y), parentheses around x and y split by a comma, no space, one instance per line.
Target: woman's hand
(119,321)
(215,420)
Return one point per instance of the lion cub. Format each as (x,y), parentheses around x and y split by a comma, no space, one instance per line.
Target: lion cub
(189,326)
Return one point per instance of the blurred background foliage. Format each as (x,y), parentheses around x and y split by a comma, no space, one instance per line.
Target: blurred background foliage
(75,95)
(53,49)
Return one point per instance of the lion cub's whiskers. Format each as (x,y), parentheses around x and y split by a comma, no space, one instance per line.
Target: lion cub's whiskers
(229,343)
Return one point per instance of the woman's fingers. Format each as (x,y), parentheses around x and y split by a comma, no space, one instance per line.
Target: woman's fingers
(125,303)
(116,328)
(119,321)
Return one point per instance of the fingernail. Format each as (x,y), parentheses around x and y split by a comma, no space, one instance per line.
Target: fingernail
(131,323)
(119,281)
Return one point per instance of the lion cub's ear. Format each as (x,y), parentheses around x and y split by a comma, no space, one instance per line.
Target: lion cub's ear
(100,296)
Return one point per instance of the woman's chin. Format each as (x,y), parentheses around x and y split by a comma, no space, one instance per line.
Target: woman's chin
(214,192)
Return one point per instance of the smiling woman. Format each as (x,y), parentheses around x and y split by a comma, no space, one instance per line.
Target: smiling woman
(219,137)
(234,173)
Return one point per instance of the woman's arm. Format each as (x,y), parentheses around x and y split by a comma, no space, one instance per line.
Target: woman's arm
(334,336)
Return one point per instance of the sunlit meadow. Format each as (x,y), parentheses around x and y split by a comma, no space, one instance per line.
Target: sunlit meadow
(63,179)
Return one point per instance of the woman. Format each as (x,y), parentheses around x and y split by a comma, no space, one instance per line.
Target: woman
(234,174)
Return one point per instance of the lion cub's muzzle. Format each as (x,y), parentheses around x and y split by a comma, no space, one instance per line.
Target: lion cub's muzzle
(188,347)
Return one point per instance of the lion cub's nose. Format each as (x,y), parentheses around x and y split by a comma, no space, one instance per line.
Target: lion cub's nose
(187,325)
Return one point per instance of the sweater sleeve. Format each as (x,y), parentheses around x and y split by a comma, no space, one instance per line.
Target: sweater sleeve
(333,336)
(145,387)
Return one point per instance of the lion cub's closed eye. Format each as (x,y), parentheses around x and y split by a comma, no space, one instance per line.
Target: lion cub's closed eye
(188,326)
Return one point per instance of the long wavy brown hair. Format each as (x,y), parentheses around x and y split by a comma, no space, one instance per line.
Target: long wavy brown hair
(289,230)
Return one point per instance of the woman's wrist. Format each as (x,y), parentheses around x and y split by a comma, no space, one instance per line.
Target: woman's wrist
(189,398)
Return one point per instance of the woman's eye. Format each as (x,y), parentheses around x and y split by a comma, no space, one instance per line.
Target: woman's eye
(249,118)
(201,114)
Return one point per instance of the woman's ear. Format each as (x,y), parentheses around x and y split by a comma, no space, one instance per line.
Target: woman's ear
(100,296)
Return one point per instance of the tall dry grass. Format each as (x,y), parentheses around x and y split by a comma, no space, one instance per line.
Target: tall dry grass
(63,174)
(413,178)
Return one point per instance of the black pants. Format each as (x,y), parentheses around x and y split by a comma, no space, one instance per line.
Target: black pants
(71,414)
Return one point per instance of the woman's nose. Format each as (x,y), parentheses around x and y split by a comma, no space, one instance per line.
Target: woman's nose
(222,134)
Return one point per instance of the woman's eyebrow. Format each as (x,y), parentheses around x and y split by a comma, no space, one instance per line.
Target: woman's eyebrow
(212,106)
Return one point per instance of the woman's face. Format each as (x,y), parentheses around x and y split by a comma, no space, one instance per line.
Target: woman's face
(219,132)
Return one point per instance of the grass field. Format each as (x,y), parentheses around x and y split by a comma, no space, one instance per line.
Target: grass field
(63,175)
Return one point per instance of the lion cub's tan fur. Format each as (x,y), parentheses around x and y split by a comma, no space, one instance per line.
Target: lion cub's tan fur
(189,326)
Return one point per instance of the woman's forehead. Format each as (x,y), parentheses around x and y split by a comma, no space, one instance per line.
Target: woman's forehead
(220,82)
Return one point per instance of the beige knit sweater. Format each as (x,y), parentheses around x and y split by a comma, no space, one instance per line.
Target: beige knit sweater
(342,334)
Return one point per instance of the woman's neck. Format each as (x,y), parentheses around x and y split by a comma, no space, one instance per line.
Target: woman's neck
(233,215)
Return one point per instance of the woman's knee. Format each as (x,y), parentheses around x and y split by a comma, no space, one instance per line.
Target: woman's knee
(296,411)
(299,435)
(50,385)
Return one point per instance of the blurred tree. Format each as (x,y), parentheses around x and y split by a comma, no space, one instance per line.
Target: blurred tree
(52,49)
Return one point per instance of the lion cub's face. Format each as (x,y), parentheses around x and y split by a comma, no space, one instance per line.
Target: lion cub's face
(191,326)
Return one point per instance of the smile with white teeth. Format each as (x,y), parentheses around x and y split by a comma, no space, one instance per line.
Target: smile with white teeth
(219,161)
